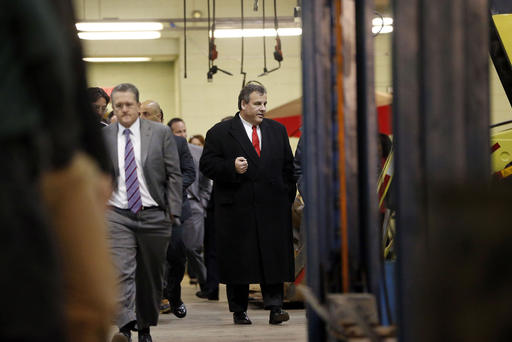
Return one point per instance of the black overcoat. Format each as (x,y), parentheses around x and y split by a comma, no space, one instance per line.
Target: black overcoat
(252,210)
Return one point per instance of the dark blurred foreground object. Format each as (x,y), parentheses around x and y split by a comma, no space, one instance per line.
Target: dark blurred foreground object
(52,250)
(466,293)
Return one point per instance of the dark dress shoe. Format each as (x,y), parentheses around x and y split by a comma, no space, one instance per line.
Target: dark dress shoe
(145,337)
(202,294)
(241,318)
(122,336)
(213,296)
(179,311)
(210,295)
(278,316)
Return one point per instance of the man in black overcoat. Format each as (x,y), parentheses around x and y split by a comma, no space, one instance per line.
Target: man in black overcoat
(250,161)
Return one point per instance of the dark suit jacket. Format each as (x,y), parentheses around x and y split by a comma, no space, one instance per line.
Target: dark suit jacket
(160,163)
(252,210)
(202,187)
(188,172)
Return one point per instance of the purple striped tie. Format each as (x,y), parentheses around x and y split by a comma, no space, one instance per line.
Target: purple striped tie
(130,172)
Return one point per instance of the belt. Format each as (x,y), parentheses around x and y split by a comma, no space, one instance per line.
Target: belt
(128,211)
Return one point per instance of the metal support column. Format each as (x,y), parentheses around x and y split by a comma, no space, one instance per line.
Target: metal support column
(318,149)
(367,147)
(441,116)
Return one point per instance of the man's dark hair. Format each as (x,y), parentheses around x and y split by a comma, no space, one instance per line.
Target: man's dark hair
(248,90)
(94,93)
(174,120)
(123,87)
(226,118)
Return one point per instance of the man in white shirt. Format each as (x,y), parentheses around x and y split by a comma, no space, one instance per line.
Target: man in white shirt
(146,200)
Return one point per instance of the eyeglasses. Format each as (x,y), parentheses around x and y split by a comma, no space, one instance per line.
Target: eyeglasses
(120,106)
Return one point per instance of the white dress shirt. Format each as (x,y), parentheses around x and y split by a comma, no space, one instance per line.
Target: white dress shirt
(119,198)
(248,130)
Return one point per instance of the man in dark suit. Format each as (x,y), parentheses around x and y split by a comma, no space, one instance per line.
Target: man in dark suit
(198,195)
(146,200)
(176,252)
(250,161)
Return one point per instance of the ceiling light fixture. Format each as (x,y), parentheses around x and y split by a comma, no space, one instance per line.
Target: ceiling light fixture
(116,59)
(382,29)
(119,35)
(196,14)
(378,21)
(119,26)
(270,32)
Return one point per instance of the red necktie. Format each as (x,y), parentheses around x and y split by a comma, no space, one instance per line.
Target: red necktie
(255,140)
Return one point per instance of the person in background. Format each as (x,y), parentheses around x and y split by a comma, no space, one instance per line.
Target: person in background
(297,164)
(99,100)
(176,252)
(197,140)
(251,163)
(210,248)
(146,201)
(198,195)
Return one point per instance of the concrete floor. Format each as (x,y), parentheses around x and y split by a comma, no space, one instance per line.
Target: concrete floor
(211,321)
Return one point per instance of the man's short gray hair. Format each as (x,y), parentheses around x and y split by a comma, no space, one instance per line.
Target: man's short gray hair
(124,87)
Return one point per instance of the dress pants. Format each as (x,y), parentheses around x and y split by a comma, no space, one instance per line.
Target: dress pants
(210,254)
(139,244)
(238,296)
(176,259)
(193,238)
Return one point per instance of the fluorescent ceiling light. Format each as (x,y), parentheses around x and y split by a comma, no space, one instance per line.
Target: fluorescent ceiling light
(269,32)
(382,29)
(119,35)
(120,26)
(378,21)
(117,59)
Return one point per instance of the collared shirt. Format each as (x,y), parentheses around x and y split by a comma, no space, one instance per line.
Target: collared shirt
(248,130)
(119,198)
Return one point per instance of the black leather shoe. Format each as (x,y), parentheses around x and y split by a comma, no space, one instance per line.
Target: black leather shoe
(278,316)
(202,294)
(208,295)
(122,336)
(179,311)
(213,296)
(241,318)
(145,337)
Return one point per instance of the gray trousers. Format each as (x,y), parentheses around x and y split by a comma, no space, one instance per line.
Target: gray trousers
(139,245)
(193,239)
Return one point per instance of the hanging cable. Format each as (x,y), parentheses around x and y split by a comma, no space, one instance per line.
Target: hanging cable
(278,53)
(381,23)
(185,36)
(243,41)
(264,43)
(209,38)
(212,48)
